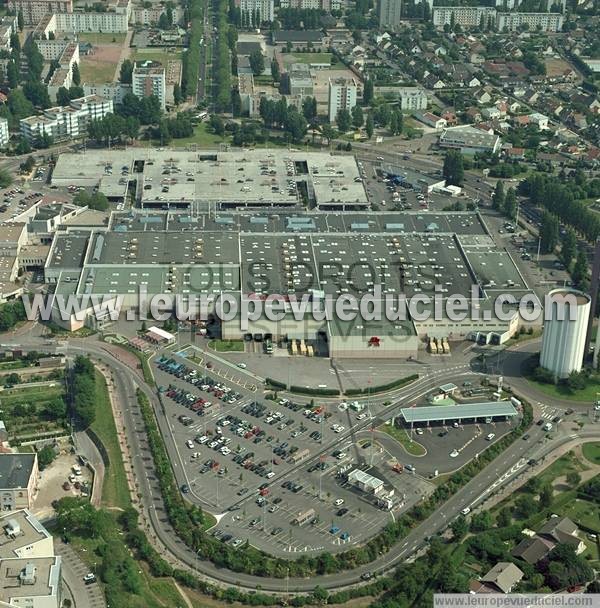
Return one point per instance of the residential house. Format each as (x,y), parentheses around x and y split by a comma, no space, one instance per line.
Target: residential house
(431,120)
(540,120)
(532,550)
(562,530)
(482,97)
(502,578)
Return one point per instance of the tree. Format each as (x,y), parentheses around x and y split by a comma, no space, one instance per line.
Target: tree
(177,95)
(548,232)
(62,97)
(236,102)
(96,200)
(343,120)
(275,73)
(126,72)
(45,456)
(257,62)
(55,409)
(12,74)
(498,196)
(20,20)
(368,92)
(546,494)
(309,108)
(453,170)
(396,122)
(11,379)
(580,269)
(573,478)
(37,93)
(481,522)
(504,518)
(568,249)
(163,22)
(525,506)
(5,178)
(510,204)
(358,118)
(459,528)
(76,75)
(295,125)
(35,60)
(370,127)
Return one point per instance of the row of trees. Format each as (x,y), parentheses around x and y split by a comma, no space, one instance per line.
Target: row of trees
(191,60)
(505,203)
(563,200)
(83,391)
(221,63)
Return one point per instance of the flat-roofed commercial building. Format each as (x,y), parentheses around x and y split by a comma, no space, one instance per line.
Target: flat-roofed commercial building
(471,412)
(469,140)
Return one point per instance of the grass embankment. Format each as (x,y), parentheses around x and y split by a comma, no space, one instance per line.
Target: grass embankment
(401,436)
(592,452)
(115,491)
(227,346)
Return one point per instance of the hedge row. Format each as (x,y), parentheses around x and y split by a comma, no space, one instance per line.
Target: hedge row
(381,388)
(301,390)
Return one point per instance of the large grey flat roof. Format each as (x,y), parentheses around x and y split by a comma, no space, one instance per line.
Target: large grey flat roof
(15,470)
(435,413)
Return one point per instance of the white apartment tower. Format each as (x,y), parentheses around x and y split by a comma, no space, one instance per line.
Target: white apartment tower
(4,135)
(149,79)
(342,96)
(256,10)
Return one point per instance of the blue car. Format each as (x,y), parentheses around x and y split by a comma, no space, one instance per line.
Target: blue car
(334,530)
(344,536)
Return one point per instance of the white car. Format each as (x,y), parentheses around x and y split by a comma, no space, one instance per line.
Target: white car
(202,439)
(190,444)
(341,455)
(339,428)
(420,431)
(225,450)
(466,510)
(338,502)
(361,416)
(453,453)
(242,365)
(490,436)
(270,474)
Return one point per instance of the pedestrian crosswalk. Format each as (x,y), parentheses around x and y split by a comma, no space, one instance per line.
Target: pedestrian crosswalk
(549,412)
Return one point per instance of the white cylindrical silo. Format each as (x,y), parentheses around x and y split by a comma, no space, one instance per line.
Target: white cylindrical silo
(566,318)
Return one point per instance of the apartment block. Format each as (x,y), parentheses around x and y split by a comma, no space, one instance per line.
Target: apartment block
(265,9)
(149,79)
(390,13)
(545,22)
(465,16)
(323,5)
(107,23)
(8,25)
(30,572)
(66,122)
(342,95)
(34,10)
(412,98)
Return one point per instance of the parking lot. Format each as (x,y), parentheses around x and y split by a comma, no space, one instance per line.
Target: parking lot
(267,463)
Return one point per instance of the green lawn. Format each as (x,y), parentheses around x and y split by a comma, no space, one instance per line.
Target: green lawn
(227,346)
(592,452)
(589,393)
(101,38)
(115,492)
(202,137)
(401,436)
(96,71)
(584,513)
(308,57)
(156,55)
